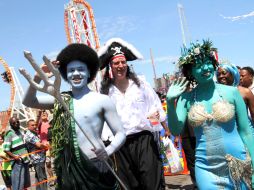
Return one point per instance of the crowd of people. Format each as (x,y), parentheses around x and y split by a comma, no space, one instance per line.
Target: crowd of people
(108,139)
(25,150)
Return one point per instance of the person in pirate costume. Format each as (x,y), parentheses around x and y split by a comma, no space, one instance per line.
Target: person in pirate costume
(218,116)
(138,161)
(78,164)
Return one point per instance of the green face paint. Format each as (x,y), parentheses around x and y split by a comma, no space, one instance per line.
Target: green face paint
(203,70)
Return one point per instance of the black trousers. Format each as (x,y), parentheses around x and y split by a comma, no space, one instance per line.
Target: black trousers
(105,176)
(189,144)
(138,162)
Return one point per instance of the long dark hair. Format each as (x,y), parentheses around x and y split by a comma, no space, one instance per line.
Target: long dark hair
(107,81)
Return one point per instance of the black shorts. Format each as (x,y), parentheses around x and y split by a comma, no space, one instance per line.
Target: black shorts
(6,174)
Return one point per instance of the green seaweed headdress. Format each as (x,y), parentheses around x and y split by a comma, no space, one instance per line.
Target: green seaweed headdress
(196,52)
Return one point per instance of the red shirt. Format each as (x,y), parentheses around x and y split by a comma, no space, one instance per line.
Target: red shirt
(43,132)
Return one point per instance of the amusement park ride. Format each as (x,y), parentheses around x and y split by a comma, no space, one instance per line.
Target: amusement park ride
(186,37)
(80,28)
(16,107)
(80,24)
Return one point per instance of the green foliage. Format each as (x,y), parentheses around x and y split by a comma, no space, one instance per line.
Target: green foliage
(196,51)
(60,127)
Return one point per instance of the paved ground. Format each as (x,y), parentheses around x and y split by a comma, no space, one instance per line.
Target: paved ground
(172,182)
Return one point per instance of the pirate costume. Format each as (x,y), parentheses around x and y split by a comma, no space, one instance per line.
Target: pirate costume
(138,161)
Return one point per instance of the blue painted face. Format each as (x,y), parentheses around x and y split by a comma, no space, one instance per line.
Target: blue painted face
(77,74)
(203,71)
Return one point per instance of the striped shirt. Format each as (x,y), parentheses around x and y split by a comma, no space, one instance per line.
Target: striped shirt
(14,143)
(31,138)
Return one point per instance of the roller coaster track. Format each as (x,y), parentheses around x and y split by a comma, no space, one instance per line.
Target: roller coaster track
(80,28)
(80,24)
(16,107)
(5,115)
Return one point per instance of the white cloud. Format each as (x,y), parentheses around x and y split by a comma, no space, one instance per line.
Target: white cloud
(164,59)
(115,26)
(240,17)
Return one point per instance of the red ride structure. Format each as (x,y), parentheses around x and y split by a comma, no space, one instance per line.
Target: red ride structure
(80,28)
(80,24)
(16,94)
(7,77)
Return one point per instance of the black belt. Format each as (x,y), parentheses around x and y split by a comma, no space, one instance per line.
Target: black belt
(139,134)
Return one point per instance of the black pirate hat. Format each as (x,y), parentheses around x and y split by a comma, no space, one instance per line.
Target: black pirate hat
(117,46)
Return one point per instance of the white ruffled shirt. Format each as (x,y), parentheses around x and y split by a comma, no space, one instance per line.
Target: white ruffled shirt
(136,105)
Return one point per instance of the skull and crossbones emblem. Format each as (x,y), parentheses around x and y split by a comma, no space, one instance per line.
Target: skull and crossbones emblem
(117,50)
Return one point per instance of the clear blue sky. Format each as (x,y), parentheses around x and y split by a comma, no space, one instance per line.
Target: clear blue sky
(38,26)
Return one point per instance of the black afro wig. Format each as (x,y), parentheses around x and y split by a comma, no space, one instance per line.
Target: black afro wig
(80,52)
